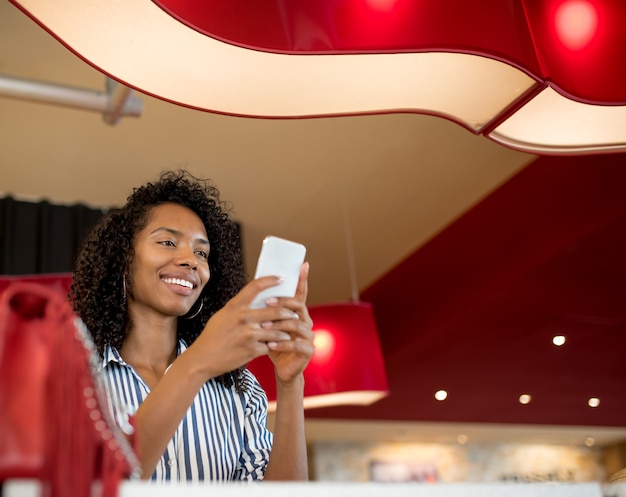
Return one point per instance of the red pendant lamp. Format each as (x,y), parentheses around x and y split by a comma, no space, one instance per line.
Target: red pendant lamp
(347,367)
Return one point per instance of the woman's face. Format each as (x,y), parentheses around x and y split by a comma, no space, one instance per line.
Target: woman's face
(171,263)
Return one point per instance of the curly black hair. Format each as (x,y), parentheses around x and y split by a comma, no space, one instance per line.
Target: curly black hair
(98,290)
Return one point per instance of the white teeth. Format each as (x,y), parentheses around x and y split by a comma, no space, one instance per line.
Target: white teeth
(178,281)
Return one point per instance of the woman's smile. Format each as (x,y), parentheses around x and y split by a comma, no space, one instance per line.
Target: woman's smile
(180,285)
(178,281)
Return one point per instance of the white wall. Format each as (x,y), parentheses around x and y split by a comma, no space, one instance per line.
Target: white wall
(352,461)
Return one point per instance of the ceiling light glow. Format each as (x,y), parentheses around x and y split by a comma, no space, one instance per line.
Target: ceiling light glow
(558,340)
(524,398)
(441,395)
(589,441)
(382,5)
(324,342)
(593,402)
(462,439)
(576,23)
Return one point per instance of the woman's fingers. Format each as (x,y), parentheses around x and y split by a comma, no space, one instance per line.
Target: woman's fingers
(247,294)
(238,333)
(300,346)
(291,357)
(303,283)
(299,317)
(256,286)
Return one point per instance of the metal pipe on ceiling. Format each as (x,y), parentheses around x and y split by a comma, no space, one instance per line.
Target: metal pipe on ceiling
(116,102)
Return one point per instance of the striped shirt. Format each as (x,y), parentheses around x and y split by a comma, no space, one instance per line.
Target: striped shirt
(223,436)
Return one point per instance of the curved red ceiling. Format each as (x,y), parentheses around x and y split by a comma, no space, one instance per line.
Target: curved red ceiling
(574,44)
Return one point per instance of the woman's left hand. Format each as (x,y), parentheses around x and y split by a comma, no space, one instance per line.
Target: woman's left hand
(290,357)
(288,460)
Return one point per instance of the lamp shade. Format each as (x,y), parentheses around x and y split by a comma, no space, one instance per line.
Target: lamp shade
(347,367)
(535,75)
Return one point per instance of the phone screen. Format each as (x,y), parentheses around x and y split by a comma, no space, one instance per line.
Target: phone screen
(279,257)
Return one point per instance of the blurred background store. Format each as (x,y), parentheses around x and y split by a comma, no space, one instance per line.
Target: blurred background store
(497,277)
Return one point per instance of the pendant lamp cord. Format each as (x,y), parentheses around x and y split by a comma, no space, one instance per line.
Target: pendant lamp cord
(350,250)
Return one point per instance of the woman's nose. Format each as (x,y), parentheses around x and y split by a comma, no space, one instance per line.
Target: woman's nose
(186,258)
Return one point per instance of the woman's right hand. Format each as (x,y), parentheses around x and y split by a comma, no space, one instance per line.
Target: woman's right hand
(236,334)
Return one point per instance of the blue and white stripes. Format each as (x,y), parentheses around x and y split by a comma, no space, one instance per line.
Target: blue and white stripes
(223,436)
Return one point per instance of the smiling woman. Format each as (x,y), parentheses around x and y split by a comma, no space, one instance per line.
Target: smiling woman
(170,262)
(160,283)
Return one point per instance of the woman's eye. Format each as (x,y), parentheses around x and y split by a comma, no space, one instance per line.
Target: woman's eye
(202,254)
(167,243)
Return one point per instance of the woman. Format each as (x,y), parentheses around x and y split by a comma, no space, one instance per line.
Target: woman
(160,284)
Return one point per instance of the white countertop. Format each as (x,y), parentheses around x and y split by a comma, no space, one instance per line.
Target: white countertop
(27,488)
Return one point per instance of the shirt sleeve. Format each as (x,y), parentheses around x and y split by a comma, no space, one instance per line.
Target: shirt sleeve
(257,438)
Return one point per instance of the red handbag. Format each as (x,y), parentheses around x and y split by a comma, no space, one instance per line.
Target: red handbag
(55,425)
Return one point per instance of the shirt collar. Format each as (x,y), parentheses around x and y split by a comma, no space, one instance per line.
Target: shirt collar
(111,354)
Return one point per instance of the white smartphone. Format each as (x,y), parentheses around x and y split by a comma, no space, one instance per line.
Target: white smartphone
(279,257)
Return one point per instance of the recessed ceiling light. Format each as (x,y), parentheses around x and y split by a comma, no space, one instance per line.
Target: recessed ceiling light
(589,441)
(441,395)
(524,398)
(558,340)
(462,439)
(593,402)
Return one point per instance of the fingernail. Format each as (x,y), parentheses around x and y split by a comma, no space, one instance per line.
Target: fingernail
(272,301)
(266,324)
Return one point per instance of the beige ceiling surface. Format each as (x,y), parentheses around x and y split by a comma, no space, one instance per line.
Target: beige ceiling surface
(368,189)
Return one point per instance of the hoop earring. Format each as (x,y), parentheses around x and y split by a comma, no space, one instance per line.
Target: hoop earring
(195,313)
(124,291)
